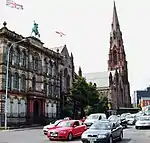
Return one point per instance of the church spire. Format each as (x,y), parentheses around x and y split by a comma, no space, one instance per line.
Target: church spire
(115,21)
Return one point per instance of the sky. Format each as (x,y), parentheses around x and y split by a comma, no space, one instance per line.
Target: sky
(87,25)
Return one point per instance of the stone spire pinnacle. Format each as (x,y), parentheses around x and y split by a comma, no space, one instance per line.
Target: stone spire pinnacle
(115,21)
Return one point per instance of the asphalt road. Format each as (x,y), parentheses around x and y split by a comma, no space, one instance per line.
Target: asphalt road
(131,135)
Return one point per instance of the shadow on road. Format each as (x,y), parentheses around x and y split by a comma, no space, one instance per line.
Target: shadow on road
(125,141)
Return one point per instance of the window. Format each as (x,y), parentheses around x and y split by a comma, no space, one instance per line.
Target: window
(54,88)
(36,63)
(16,81)
(50,88)
(23,59)
(45,86)
(45,65)
(16,56)
(50,68)
(23,82)
(9,80)
(115,57)
(34,83)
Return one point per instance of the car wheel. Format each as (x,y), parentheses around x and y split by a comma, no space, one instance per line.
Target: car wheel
(70,136)
(121,136)
(136,127)
(110,140)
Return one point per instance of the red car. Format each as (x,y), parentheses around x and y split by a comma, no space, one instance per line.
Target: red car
(67,130)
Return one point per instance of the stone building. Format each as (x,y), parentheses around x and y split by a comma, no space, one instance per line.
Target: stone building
(114,83)
(37,78)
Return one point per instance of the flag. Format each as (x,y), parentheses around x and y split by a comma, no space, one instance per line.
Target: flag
(60,33)
(13,4)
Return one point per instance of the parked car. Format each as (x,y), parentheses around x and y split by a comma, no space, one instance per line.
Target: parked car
(144,121)
(103,131)
(51,125)
(67,130)
(131,119)
(93,118)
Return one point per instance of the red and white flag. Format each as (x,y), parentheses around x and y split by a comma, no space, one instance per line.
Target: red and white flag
(60,33)
(13,4)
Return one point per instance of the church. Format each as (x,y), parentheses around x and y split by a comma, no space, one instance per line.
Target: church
(114,83)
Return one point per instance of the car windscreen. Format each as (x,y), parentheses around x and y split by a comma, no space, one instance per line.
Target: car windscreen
(65,124)
(57,122)
(101,126)
(144,118)
(130,116)
(112,118)
(93,116)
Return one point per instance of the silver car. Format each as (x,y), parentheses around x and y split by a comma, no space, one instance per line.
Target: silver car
(144,121)
(103,131)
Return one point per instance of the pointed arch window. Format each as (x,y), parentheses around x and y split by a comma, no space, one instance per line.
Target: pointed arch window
(16,56)
(33,83)
(115,57)
(23,82)
(16,81)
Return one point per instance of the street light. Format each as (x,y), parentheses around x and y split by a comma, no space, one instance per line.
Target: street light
(7,69)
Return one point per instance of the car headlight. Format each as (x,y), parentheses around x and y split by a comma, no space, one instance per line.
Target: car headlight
(84,136)
(101,136)
(63,132)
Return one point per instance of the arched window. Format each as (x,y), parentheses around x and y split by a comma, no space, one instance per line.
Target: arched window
(9,79)
(23,58)
(50,88)
(36,63)
(16,81)
(68,81)
(34,83)
(45,66)
(54,88)
(16,56)
(65,78)
(50,67)
(115,57)
(23,82)
(45,86)
(54,69)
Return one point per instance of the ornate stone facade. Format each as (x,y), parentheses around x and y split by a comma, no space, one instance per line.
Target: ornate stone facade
(37,77)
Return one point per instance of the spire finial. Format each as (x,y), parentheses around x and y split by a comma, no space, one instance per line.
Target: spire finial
(115,22)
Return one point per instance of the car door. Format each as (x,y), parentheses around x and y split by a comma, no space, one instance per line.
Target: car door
(82,127)
(76,129)
(118,129)
(113,131)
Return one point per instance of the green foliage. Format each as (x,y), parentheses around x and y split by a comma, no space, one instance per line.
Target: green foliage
(87,95)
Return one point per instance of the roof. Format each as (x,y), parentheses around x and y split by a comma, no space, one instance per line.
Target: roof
(100,78)
(57,48)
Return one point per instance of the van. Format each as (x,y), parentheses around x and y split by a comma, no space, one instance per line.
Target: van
(93,118)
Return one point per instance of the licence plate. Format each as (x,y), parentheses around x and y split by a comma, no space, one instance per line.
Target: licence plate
(91,140)
(54,135)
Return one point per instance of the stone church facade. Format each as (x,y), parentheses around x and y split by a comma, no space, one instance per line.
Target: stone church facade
(37,78)
(119,86)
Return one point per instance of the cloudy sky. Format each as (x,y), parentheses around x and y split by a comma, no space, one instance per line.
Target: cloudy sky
(87,25)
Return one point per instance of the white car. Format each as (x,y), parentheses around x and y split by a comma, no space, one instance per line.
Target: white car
(47,127)
(144,121)
(130,119)
(92,118)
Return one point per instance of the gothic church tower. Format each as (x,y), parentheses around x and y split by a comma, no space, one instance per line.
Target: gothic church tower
(119,94)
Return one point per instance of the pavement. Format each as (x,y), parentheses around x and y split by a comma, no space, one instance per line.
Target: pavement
(32,135)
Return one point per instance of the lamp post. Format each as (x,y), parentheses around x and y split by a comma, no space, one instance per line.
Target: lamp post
(7,69)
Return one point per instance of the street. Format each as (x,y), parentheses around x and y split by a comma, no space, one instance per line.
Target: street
(131,135)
